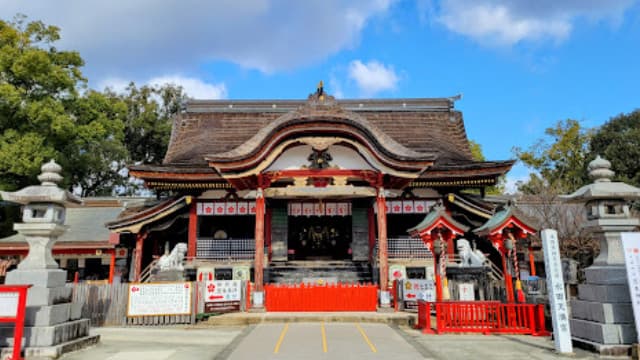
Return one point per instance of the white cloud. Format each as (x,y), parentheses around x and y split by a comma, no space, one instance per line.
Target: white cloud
(124,37)
(372,77)
(193,87)
(507,22)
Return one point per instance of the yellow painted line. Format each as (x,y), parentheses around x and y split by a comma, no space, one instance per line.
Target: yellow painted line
(324,339)
(281,339)
(366,338)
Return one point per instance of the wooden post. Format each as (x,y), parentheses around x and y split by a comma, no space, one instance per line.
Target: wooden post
(383,262)
(112,266)
(258,267)
(436,274)
(532,263)
(508,280)
(192,231)
(138,260)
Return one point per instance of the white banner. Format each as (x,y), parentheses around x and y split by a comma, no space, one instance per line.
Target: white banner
(631,246)
(209,208)
(406,206)
(555,288)
(159,299)
(9,304)
(415,290)
(223,290)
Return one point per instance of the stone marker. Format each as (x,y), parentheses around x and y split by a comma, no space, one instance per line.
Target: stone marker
(52,324)
(602,317)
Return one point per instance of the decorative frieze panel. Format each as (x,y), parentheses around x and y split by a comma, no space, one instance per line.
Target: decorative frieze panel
(226,208)
(407,206)
(317,208)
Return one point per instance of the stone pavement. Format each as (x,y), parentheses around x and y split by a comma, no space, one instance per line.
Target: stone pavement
(314,340)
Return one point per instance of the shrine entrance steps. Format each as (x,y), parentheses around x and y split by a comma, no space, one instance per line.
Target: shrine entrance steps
(319,271)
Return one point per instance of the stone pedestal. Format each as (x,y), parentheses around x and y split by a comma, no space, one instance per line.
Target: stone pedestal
(53,323)
(602,316)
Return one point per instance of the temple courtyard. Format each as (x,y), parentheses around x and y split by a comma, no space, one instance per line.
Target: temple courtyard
(305,340)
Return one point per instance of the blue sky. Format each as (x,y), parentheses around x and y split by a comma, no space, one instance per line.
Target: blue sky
(520,65)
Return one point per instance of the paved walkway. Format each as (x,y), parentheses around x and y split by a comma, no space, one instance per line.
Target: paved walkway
(300,340)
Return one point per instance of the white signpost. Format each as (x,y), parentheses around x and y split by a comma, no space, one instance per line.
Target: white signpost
(159,299)
(555,288)
(631,247)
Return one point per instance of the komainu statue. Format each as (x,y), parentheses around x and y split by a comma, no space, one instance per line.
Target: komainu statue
(173,260)
(468,256)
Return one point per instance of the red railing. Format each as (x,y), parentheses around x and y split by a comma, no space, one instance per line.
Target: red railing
(487,317)
(14,300)
(331,297)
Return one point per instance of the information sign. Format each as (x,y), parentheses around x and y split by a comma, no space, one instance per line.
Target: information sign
(9,304)
(555,289)
(222,295)
(631,246)
(418,289)
(159,299)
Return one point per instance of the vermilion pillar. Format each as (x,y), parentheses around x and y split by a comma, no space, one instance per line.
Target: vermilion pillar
(532,263)
(382,241)
(112,266)
(192,231)
(508,280)
(138,258)
(258,267)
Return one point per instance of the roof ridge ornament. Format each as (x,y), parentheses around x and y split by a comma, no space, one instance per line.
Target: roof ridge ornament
(320,97)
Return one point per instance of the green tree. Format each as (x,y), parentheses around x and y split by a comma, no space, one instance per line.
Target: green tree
(559,163)
(618,141)
(45,114)
(478,155)
(150,112)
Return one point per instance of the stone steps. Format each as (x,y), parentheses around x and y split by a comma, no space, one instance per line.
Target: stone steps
(293,272)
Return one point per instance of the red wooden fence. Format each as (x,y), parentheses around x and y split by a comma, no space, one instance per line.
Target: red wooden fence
(13,311)
(332,297)
(485,317)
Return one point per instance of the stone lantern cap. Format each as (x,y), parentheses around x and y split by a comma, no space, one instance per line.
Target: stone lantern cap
(47,192)
(602,187)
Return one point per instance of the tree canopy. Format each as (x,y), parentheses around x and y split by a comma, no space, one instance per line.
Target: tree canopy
(618,141)
(559,161)
(47,111)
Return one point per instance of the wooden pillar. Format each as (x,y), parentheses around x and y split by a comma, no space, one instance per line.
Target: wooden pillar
(532,263)
(436,274)
(508,280)
(383,261)
(192,231)
(258,265)
(112,266)
(138,258)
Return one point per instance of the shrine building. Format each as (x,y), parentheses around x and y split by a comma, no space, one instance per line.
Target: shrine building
(341,190)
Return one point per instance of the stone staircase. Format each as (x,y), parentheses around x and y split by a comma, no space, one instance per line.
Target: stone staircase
(295,272)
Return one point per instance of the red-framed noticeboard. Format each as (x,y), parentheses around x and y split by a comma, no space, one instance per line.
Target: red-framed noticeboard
(13,301)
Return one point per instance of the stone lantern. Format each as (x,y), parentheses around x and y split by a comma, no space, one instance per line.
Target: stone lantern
(51,318)
(602,316)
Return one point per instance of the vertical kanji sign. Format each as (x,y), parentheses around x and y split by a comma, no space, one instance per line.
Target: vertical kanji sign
(555,288)
(631,247)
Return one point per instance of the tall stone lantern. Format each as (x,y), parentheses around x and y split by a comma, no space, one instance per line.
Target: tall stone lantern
(52,322)
(602,316)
